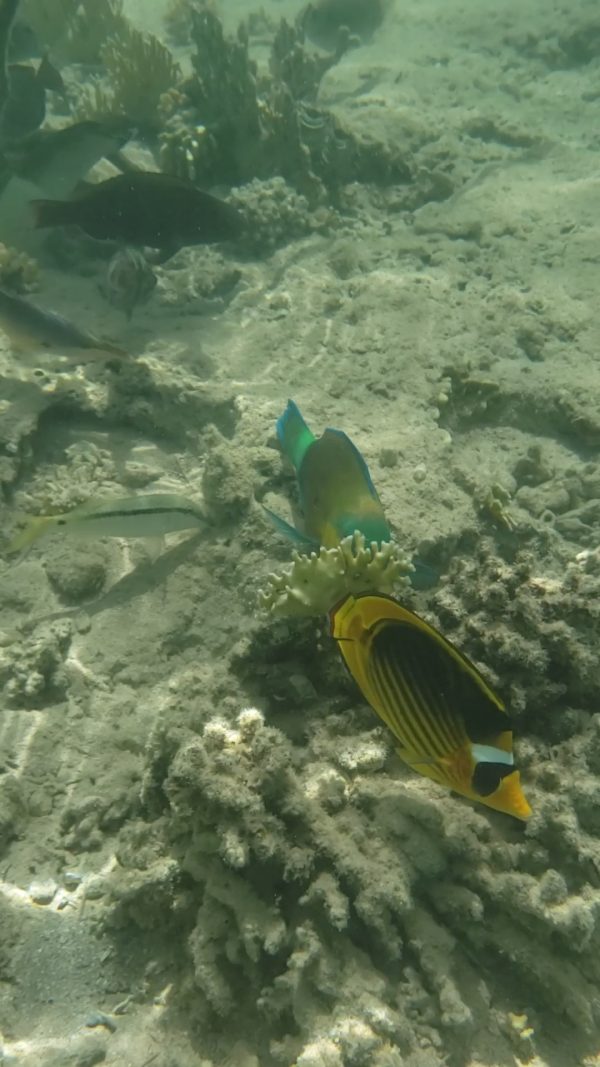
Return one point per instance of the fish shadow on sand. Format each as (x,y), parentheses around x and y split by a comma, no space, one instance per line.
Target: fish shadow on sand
(144,578)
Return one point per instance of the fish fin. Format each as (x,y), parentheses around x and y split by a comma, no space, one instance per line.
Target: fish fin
(293,434)
(35,528)
(286,528)
(48,213)
(165,253)
(49,77)
(154,547)
(423,576)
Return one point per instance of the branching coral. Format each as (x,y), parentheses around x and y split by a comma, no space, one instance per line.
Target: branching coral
(140,70)
(228,124)
(345,909)
(314,583)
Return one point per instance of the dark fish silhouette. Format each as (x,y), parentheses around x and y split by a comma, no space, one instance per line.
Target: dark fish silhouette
(32,328)
(144,209)
(56,160)
(322,20)
(25,108)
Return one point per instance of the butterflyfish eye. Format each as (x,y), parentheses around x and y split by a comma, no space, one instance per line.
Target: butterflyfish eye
(487,777)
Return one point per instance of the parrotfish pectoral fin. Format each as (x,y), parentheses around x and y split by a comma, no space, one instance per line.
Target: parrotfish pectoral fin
(287,529)
(423,576)
(294,435)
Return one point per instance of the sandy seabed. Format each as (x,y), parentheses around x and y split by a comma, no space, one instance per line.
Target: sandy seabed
(210,853)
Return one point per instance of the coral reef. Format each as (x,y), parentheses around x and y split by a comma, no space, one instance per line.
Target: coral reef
(314,583)
(275,214)
(140,69)
(363,914)
(229,124)
(549,628)
(31,670)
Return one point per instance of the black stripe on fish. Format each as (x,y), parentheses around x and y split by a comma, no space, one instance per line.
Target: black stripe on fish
(130,514)
(447,688)
(487,777)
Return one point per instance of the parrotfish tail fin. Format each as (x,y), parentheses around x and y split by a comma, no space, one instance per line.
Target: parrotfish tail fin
(294,435)
(287,529)
(35,528)
(48,213)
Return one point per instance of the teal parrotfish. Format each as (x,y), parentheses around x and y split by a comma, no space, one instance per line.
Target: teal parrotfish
(336,494)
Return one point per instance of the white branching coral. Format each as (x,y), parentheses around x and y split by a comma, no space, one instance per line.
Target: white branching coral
(312,584)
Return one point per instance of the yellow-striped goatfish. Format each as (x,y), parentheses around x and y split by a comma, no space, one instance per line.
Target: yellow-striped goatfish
(146,515)
(337,496)
(451,726)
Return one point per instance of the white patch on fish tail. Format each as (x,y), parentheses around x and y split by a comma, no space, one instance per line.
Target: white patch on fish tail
(490,754)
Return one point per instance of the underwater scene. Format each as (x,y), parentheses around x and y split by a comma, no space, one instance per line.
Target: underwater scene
(300,533)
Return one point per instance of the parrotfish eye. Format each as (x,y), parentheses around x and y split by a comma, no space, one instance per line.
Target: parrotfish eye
(487,777)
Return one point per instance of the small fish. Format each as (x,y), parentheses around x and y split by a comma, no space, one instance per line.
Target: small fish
(147,515)
(337,496)
(130,280)
(32,328)
(145,209)
(25,109)
(56,160)
(451,726)
(322,20)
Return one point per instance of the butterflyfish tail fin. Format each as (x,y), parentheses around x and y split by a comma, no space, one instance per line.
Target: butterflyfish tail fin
(35,528)
(294,435)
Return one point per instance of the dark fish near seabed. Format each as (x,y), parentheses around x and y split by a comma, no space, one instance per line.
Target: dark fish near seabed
(144,209)
(129,281)
(322,20)
(56,160)
(31,329)
(25,109)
